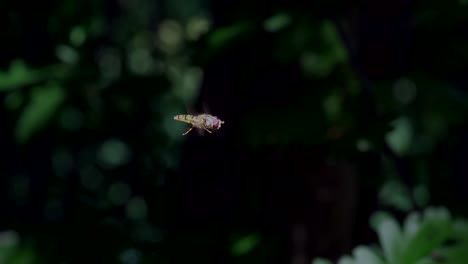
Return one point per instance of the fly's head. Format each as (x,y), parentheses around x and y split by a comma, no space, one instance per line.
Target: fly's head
(218,122)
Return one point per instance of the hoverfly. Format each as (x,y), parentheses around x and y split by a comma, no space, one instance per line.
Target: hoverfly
(203,121)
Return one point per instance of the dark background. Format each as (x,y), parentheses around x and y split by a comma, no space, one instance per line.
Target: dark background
(324,103)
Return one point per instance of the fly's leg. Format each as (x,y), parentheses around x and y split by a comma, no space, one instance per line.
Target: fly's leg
(207,129)
(186,132)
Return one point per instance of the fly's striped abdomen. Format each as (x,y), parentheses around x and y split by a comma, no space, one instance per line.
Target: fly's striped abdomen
(191,119)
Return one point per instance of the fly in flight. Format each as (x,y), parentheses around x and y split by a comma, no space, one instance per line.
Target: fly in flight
(203,121)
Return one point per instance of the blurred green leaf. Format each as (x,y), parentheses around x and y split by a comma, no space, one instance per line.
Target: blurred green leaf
(18,75)
(377,218)
(67,54)
(460,229)
(421,195)
(44,103)
(197,26)
(434,230)
(321,261)
(420,243)
(364,255)
(223,36)
(346,260)
(244,245)
(14,100)
(24,256)
(9,243)
(333,41)
(426,260)
(391,240)
(400,138)
(412,224)
(332,105)
(395,194)
(77,36)
(277,22)
(321,62)
(455,255)
(11,250)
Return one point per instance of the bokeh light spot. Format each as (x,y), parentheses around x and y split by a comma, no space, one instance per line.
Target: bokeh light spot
(196,27)
(67,54)
(170,36)
(62,162)
(245,244)
(136,208)
(140,61)
(404,91)
(332,106)
(71,119)
(130,256)
(119,193)
(110,64)
(148,233)
(363,145)
(113,153)
(91,178)
(9,238)
(401,137)
(77,36)
(277,22)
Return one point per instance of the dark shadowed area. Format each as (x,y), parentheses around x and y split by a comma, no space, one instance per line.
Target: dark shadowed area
(345,137)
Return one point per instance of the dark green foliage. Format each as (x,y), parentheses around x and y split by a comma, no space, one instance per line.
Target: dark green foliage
(423,238)
(325,102)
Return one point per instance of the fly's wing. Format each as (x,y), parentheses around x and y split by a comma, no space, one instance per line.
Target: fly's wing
(200,132)
(190,110)
(206,110)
